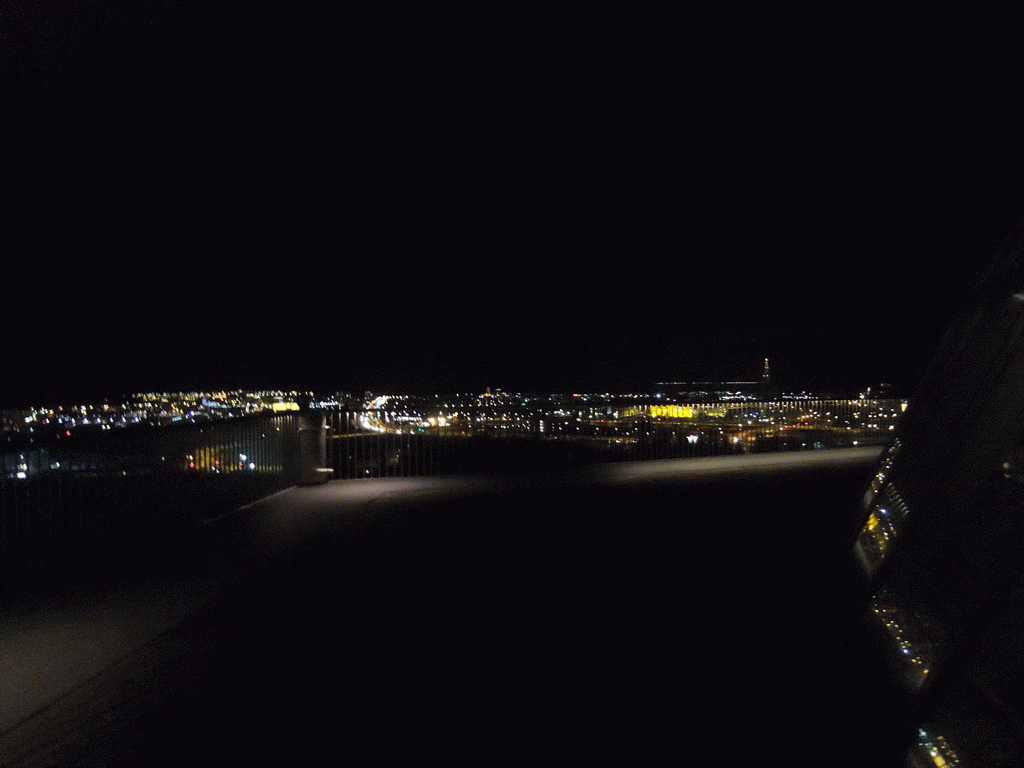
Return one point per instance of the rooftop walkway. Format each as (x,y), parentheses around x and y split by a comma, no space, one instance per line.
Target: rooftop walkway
(472,619)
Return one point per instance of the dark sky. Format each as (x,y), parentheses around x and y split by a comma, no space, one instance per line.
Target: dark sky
(203,196)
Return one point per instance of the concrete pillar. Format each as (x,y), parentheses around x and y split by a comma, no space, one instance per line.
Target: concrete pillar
(313,468)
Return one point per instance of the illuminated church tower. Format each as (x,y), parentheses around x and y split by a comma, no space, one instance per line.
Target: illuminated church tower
(766,389)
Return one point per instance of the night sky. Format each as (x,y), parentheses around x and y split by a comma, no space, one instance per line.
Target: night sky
(219,198)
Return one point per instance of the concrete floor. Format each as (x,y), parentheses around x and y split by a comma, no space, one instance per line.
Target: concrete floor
(618,613)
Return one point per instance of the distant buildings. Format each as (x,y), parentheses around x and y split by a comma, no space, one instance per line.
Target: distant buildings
(698,419)
(148,408)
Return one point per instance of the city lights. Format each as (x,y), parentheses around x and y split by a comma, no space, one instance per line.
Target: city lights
(618,426)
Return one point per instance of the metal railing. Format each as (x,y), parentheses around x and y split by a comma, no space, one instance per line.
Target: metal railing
(89,506)
(382,443)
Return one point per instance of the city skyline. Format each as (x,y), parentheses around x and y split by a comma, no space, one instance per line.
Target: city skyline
(114,436)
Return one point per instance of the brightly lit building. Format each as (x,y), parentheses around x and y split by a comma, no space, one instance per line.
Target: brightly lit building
(939,554)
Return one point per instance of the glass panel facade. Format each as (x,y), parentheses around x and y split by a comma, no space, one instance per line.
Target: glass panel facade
(941,545)
(912,634)
(888,513)
(933,749)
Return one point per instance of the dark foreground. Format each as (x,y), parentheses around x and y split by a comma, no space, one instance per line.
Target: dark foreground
(631,618)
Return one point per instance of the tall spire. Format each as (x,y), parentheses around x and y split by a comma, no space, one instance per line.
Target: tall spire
(766,376)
